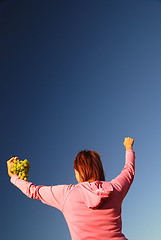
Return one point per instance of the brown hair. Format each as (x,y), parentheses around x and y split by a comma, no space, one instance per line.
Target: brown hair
(89,166)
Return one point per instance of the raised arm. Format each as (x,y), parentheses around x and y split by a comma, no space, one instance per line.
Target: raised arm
(124,180)
(50,195)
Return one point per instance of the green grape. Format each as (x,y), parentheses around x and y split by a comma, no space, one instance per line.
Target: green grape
(21,168)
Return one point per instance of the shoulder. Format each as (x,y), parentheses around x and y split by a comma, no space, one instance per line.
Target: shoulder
(64,189)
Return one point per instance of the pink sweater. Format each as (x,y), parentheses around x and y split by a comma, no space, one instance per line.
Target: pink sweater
(92,210)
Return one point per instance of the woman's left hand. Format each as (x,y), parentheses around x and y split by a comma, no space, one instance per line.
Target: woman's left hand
(10,165)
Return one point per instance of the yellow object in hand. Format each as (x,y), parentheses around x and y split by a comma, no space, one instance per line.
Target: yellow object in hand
(21,168)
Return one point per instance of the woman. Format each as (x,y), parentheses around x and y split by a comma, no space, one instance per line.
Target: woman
(92,208)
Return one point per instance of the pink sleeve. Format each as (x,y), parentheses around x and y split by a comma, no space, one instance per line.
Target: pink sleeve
(50,195)
(124,180)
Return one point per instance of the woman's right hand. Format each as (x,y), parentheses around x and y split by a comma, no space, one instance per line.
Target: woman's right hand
(128,143)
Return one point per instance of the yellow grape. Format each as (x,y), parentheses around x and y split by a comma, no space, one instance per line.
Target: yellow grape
(21,168)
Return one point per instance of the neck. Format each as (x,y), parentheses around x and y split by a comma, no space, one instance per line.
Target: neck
(91,180)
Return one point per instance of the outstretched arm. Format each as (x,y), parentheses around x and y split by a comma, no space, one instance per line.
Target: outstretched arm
(124,180)
(50,195)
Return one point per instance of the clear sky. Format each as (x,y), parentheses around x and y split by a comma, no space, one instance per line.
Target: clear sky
(79,75)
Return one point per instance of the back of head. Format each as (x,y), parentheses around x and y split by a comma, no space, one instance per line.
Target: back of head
(89,166)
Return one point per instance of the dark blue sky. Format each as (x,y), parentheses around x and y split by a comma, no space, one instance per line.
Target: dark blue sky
(75,75)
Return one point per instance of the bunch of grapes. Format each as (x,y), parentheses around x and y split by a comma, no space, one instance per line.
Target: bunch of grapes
(21,168)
